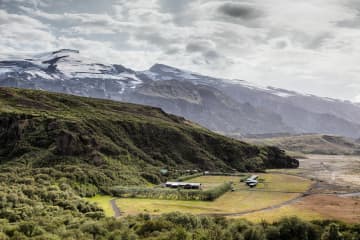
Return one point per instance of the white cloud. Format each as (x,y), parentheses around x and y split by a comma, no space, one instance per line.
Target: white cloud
(310,46)
(23,34)
(357,98)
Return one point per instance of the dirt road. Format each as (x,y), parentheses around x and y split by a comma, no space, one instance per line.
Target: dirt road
(116,209)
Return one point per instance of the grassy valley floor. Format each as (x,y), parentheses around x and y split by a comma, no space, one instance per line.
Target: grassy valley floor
(326,179)
(273,190)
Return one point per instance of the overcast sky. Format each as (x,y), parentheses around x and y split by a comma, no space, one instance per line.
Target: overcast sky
(311,46)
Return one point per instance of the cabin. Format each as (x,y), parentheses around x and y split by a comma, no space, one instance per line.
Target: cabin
(252,181)
(185,185)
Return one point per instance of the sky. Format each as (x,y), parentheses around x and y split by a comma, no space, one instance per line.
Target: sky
(310,46)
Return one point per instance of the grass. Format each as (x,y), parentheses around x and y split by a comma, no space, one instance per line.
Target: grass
(271,192)
(277,188)
(314,207)
(103,201)
(229,203)
(213,181)
(285,211)
(267,182)
(332,207)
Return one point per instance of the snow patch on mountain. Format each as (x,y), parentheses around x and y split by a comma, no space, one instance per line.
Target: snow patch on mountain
(252,86)
(41,74)
(5,70)
(69,64)
(163,72)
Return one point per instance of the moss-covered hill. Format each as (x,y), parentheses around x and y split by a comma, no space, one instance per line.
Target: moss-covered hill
(96,143)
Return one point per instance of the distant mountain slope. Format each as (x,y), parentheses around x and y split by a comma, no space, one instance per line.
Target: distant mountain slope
(312,144)
(295,113)
(100,143)
(208,106)
(226,106)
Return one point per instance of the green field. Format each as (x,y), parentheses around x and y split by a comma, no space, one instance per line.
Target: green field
(279,213)
(103,202)
(267,182)
(275,189)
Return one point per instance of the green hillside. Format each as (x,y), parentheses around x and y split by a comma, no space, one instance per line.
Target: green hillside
(55,147)
(98,143)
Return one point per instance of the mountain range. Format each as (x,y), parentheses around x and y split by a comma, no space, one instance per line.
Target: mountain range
(226,106)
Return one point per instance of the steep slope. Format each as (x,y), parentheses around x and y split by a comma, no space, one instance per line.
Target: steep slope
(299,113)
(100,143)
(222,105)
(207,106)
(299,116)
(66,71)
(312,144)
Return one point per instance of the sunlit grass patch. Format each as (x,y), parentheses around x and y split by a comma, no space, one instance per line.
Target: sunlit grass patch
(278,213)
(103,202)
(231,202)
(274,189)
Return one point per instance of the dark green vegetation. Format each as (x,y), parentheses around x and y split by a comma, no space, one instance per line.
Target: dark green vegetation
(94,144)
(55,148)
(171,194)
(184,178)
(312,144)
(177,226)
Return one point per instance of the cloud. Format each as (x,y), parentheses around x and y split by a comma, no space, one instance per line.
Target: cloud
(13,4)
(154,38)
(211,55)
(175,6)
(310,46)
(353,20)
(242,11)
(199,45)
(357,99)
(204,49)
(23,34)
(351,23)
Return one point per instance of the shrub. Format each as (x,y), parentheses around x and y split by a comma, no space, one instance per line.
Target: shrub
(152,178)
(188,177)
(171,194)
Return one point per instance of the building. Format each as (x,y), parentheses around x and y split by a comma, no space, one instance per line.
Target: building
(184,185)
(252,181)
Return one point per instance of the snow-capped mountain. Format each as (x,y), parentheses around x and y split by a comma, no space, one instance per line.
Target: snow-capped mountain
(233,107)
(67,71)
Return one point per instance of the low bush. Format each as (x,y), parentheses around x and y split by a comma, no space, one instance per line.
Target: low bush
(171,194)
(188,177)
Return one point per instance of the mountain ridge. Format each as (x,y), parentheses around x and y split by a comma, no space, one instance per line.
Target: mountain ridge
(206,100)
(310,144)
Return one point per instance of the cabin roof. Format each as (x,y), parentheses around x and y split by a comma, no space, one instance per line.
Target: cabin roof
(253,177)
(182,183)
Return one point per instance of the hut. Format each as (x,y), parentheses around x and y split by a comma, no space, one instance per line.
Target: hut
(185,185)
(252,181)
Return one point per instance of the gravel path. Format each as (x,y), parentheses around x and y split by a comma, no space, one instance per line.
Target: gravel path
(116,209)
